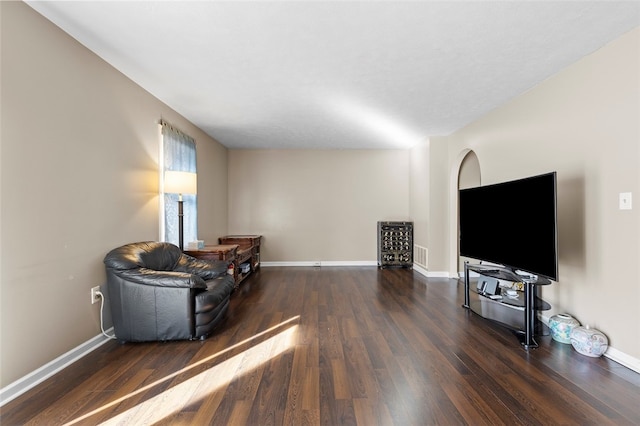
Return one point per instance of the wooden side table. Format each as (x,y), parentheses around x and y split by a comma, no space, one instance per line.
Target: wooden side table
(215,252)
(246,242)
(224,252)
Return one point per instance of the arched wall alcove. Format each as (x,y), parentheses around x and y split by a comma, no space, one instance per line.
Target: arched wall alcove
(465,173)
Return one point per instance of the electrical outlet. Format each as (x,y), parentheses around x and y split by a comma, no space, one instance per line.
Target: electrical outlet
(317,264)
(625,201)
(95,297)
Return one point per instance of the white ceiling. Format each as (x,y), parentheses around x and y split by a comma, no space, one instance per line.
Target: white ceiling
(338,74)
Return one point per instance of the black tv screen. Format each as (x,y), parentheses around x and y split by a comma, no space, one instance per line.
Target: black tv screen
(513,224)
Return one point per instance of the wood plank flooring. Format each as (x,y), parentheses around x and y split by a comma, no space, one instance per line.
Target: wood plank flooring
(338,346)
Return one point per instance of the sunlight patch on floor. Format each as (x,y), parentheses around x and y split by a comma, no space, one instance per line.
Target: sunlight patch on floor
(203,384)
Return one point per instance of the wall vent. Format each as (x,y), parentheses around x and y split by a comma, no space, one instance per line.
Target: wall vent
(420,256)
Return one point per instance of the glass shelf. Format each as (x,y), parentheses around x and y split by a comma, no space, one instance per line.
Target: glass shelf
(519,314)
(506,274)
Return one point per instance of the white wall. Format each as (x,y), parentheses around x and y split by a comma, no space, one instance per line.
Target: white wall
(79,176)
(584,123)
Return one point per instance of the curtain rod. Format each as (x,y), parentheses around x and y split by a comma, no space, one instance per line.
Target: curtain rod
(164,123)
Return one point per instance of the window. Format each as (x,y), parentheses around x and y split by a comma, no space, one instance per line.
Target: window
(178,153)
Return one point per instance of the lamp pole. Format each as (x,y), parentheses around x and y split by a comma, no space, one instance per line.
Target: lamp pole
(180,223)
(178,182)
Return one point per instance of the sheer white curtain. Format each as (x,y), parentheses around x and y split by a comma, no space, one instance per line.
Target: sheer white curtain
(178,154)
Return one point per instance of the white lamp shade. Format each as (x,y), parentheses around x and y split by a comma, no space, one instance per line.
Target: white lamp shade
(180,182)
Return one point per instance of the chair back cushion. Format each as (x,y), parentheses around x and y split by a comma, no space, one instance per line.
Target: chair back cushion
(157,256)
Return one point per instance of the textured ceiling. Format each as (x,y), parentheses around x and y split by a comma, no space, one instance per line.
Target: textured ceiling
(369,74)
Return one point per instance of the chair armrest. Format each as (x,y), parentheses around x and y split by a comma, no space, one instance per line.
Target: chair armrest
(161,278)
(205,269)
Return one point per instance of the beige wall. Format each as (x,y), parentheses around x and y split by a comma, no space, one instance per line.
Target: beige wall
(437,242)
(317,205)
(469,175)
(427,199)
(419,192)
(79,176)
(584,123)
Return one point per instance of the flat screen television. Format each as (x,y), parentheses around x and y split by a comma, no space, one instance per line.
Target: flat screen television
(513,224)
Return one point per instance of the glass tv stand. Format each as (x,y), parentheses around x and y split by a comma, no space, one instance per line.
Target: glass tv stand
(519,312)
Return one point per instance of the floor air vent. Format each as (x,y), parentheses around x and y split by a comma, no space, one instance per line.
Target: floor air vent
(420,256)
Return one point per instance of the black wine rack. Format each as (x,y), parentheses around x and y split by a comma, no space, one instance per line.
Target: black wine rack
(395,244)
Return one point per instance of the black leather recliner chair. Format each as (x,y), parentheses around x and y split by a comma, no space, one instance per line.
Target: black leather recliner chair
(158,293)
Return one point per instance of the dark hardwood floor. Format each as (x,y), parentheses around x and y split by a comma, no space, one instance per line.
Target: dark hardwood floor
(338,346)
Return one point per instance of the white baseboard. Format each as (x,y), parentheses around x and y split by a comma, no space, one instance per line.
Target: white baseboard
(611,353)
(438,274)
(416,267)
(323,263)
(22,385)
(430,274)
(419,269)
(623,359)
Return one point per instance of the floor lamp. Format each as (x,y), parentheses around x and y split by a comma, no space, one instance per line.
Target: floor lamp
(180,183)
